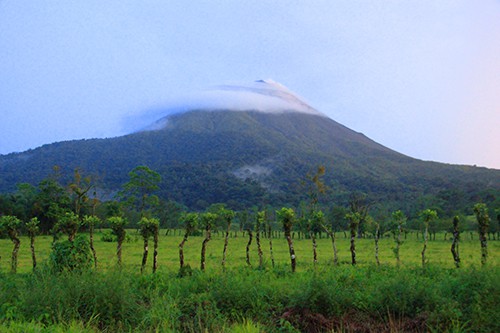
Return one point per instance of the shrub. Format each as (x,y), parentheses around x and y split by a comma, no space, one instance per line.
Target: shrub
(71,255)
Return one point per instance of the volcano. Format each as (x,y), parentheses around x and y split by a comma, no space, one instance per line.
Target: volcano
(253,144)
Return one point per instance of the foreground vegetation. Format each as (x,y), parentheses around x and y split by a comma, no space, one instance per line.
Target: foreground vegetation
(241,298)
(337,299)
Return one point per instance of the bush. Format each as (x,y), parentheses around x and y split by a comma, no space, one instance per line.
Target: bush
(71,256)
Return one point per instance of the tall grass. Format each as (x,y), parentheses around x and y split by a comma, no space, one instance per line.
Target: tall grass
(370,298)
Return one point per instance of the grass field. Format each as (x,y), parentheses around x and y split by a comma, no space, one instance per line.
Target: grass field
(438,251)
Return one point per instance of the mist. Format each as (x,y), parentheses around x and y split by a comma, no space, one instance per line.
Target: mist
(266,96)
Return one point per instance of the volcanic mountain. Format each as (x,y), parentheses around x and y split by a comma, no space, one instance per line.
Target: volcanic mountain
(254,144)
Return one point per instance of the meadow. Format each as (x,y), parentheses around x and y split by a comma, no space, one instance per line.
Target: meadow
(438,252)
(242,298)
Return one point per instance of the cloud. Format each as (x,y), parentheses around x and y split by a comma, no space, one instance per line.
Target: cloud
(263,96)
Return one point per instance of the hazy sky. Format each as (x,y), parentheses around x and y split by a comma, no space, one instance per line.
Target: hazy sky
(421,77)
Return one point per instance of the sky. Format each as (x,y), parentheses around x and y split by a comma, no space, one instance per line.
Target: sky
(421,77)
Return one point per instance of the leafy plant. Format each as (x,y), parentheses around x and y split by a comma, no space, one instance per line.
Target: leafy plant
(73,255)
(10,225)
(483,221)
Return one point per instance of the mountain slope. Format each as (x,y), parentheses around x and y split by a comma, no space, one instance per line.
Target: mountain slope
(247,158)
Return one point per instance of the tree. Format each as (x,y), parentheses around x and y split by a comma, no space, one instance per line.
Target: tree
(117,224)
(227,216)
(148,228)
(314,224)
(155,229)
(483,221)
(246,225)
(80,187)
(427,216)
(270,237)
(24,201)
(68,223)
(287,217)
(138,190)
(33,229)
(359,205)
(376,237)
(145,230)
(399,220)
(190,223)
(454,244)
(10,224)
(207,221)
(51,202)
(354,218)
(92,222)
(336,216)
(259,221)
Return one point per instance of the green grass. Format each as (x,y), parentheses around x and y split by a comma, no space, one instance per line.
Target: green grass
(438,252)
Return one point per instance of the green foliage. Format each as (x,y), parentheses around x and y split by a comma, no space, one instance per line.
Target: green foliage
(190,222)
(32,226)
(91,221)
(10,224)
(208,220)
(148,227)
(68,223)
(117,224)
(428,216)
(287,217)
(138,190)
(341,298)
(71,255)
(481,212)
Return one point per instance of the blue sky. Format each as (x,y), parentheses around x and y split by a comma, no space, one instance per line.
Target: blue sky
(421,77)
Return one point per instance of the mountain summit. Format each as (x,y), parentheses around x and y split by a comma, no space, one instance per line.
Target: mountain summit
(266,96)
(253,144)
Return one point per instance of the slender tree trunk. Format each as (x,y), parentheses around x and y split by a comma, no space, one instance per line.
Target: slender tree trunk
(331,234)
(291,250)
(250,237)
(155,250)
(181,249)
(454,246)
(15,251)
(145,254)
(426,235)
(315,252)
(224,251)
(91,240)
(398,244)
(334,246)
(204,247)
(119,249)
(259,249)
(271,246)
(32,246)
(484,245)
(353,246)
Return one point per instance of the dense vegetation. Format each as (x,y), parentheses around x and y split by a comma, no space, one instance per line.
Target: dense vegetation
(343,299)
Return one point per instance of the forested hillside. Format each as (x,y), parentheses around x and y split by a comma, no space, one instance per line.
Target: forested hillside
(249,159)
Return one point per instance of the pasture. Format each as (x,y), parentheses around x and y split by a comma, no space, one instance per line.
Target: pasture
(438,252)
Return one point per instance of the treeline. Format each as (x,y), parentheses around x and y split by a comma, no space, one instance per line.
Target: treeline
(53,209)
